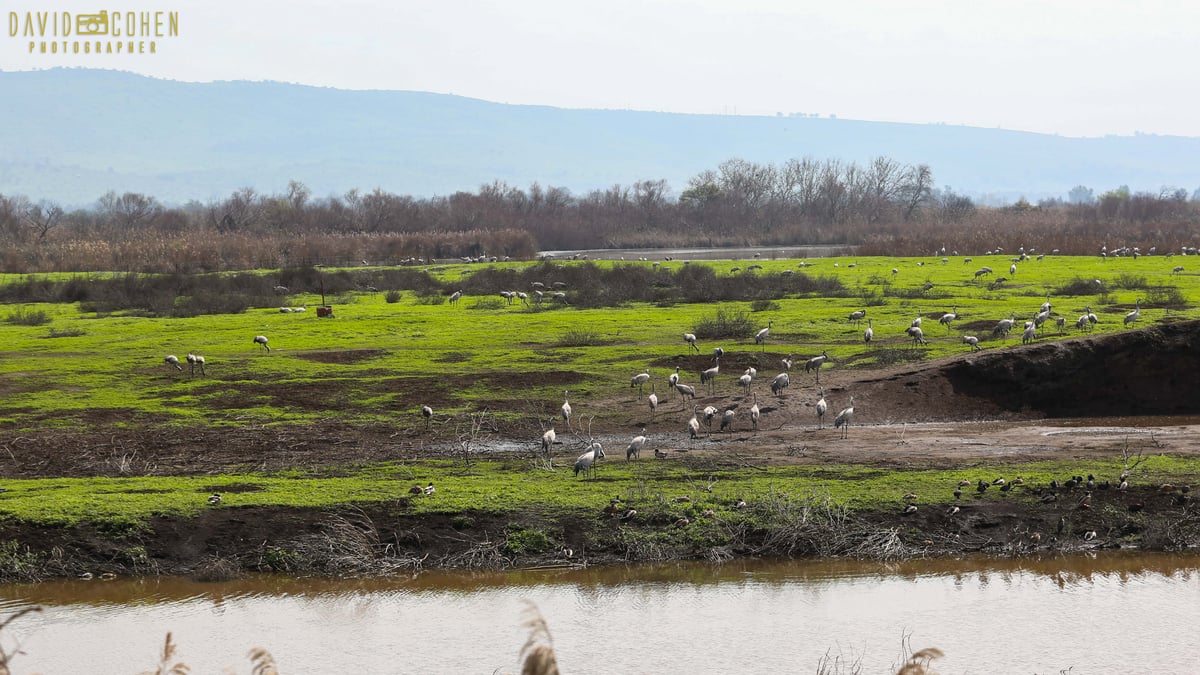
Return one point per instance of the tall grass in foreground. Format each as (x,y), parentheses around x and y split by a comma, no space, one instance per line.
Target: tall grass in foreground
(537,654)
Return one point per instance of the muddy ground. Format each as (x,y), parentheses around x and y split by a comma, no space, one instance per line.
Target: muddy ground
(1136,391)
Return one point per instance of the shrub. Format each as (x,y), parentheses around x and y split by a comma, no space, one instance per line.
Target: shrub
(580,338)
(725,325)
(488,303)
(1129,281)
(66,332)
(392,296)
(1166,296)
(764,305)
(28,317)
(433,298)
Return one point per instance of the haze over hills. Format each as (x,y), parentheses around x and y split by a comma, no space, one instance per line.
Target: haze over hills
(71,135)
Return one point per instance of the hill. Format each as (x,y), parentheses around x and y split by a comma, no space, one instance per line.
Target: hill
(73,134)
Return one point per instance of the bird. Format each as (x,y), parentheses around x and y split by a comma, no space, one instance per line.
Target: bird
(691,340)
(815,363)
(917,335)
(262,340)
(1135,314)
(548,437)
(745,380)
(416,490)
(653,399)
(761,337)
(727,420)
(1029,334)
(454,297)
(639,380)
(718,353)
(195,360)
(953,510)
(910,509)
(868,333)
(1005,325)
(214,499)
(787,362)
(566,409)
(429,489)
(427,413)
(586,463)
(1012,269)
(694,424)
(948,317)
(659,454)
(1091,316)
(957,493)
(172,360)
(685,390)
(780,383)
(710,375)
(635,446)
(822,406)
(674,378)
(973,341)
(858,315)
(755,413)
(842,421)
(709,413)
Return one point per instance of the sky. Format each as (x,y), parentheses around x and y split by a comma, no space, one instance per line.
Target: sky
(1072,68)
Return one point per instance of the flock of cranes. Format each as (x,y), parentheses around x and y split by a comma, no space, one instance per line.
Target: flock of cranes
(586,463)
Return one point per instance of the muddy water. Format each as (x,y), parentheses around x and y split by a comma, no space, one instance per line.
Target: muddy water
(1111,613)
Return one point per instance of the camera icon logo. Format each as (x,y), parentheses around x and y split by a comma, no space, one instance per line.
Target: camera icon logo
(92,24)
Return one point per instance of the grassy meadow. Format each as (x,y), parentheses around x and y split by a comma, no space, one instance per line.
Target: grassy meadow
(376,362)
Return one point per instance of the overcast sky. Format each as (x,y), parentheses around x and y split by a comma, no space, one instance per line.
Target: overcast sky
(1072,68)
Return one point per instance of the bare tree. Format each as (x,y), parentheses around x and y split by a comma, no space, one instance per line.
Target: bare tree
(43,217)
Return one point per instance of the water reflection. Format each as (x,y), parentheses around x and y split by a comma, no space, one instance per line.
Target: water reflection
(1045,614)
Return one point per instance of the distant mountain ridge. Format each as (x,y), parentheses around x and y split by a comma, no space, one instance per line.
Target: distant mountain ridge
(73,134)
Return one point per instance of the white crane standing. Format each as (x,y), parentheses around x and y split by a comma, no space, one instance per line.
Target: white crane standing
(822,406)
(566,409)
(691,340)
(427,413)
(761,337)
(868,333)
(1135,314)
(262,340)
(653,399)
(780,383)
(842,421)
(638,380)
(635,446)
(586,463)
(710,375)
(755,414)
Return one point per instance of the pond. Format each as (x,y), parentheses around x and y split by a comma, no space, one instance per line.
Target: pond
(1115,612)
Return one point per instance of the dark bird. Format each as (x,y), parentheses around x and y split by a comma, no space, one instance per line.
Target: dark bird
(998,481)
(981,487)
(429,488)
(957,493)
(953,510)
(910,509)
(214,499)
(416,490)
(1049,497)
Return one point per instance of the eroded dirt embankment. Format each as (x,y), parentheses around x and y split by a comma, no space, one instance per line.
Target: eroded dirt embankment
(1151,371)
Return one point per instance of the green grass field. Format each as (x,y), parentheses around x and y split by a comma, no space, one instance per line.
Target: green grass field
(377,362)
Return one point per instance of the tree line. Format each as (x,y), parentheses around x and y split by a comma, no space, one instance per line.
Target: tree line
(881,207)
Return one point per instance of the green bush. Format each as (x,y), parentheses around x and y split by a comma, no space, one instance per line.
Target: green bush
(28,317)
(725,325)
(392,296)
